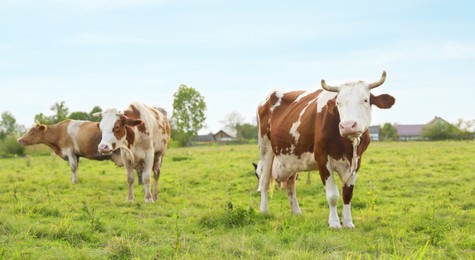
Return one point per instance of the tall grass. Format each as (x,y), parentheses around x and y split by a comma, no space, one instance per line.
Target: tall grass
(411,200)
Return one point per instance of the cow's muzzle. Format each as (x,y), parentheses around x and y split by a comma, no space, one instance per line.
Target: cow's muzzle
(104,149)
(350,129)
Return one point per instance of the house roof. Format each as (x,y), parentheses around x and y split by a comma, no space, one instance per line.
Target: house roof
(409,130)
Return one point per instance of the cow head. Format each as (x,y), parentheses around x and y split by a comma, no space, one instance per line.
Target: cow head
(34,135)
(114,126)
(353,102)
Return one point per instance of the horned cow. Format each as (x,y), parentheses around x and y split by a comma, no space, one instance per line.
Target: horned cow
(326,130)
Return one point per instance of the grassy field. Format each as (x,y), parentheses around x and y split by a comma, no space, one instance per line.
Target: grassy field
(411,200)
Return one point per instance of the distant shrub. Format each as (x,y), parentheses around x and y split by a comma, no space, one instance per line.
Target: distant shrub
(10,146)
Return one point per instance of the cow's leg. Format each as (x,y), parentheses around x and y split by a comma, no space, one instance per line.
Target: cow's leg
(333,195)
(130,180)
(147,169)
(265,175)
(139,170)
(347,196)
(292,193)
(157,164)
(73,163)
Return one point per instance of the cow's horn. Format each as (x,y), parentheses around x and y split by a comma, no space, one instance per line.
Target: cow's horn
(97,114)
(330,88)
(37,122)
(379,82)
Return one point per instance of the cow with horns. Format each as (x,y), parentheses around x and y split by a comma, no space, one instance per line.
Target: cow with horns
(324,130)
(142,133)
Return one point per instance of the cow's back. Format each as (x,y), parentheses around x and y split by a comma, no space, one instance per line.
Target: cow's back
(288,120)
(155,128)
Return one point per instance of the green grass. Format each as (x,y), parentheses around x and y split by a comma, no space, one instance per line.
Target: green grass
(411,200)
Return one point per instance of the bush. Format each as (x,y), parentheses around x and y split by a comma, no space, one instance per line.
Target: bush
(10,146)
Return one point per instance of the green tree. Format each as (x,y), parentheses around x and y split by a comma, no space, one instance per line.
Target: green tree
(388,132)
(7,125)
(441,131)
(42,119)
(188,114)
(94,110)
(61,111)
(246,131)
(79,115)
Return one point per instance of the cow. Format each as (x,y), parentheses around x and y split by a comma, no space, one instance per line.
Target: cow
(324,130)
(70,140)
(142,134)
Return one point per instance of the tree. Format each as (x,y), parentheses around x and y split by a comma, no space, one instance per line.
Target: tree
(388,132)
(7,125)
(441,131)
(79,115)
(61,111)
(188,114)
(42,119)
(231,120)
(246,131)
(95,110)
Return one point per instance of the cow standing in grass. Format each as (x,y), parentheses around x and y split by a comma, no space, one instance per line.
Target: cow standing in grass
(142,134)
(325,130)
(70,140)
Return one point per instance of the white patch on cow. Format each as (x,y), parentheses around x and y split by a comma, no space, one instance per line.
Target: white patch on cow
(73,132)
(323,98)
(333,195)
(293,163)
(294,129)
(306,93)
(279,95)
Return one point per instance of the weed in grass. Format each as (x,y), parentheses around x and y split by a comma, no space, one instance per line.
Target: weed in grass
(176,245)
(120,248)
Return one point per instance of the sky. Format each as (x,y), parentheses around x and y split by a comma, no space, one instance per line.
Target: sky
(109,53)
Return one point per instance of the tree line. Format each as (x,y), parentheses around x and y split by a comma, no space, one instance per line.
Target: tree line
(188,117)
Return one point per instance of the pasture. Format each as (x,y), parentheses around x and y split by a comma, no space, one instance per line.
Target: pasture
(411,200)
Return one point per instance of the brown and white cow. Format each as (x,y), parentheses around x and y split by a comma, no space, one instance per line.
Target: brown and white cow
(70,140)
(142,133)
(325,130)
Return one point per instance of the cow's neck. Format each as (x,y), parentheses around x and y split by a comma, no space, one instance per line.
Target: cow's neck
(51,138)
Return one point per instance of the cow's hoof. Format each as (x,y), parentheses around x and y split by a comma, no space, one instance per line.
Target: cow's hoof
(334,224)
(149,200)
(130,200)
(348,225)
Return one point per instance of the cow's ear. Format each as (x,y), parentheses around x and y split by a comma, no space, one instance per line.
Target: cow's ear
(382,101)
(133,122)
(331,105)
(42,128)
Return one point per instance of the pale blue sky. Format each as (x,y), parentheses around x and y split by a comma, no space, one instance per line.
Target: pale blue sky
(109,53)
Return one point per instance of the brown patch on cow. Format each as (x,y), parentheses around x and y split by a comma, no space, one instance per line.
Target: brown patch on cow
(347,193)
(286,112)
(383,101)
(130,136)
(89,137)
(133,113)
(331,105)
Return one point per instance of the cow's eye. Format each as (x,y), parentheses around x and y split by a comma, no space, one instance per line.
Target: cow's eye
(366,100)
(116,128)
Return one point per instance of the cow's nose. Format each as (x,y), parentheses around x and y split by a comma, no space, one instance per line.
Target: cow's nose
(103,148)
(348,128)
